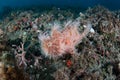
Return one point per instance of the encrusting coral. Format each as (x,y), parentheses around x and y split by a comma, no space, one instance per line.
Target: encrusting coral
(62,41)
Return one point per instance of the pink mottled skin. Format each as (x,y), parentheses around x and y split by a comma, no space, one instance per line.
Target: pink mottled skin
(62,41)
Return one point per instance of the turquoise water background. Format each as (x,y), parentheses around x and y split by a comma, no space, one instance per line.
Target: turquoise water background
(111,4)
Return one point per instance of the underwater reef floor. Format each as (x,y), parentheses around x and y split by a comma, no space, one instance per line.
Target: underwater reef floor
(96,57)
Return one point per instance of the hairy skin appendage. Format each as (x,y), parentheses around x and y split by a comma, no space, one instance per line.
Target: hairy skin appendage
(62,41)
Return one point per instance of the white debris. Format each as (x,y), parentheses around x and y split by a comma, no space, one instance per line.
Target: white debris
(91,30)
(35,27)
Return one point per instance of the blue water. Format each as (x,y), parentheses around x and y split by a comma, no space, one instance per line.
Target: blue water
(111,4)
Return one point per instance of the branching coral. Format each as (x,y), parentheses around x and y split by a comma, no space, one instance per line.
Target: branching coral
(62,41)
(21,57)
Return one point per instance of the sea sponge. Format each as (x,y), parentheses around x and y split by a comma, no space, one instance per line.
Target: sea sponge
(62,41)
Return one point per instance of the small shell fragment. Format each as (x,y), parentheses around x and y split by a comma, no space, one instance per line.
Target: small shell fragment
(91,30)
